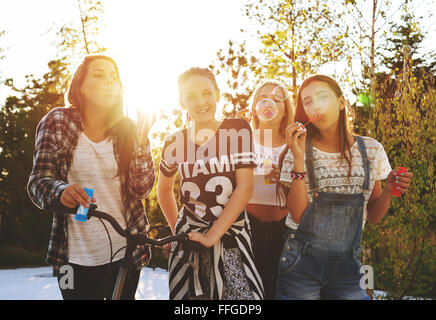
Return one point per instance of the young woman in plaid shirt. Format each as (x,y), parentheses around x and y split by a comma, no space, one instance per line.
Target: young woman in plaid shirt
(91,143)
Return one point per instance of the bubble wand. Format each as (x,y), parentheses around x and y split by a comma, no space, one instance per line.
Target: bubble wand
(316,116)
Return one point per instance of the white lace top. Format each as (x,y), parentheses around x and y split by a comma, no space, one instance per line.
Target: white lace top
(331,174)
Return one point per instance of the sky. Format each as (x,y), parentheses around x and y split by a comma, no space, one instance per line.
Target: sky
(151,41)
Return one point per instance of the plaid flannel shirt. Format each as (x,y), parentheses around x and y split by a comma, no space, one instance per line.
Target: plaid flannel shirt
(57,135)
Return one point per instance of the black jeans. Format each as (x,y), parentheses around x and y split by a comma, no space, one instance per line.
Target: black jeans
(268,241)
(90,282)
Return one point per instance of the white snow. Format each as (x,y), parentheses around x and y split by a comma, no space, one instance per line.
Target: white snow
(38,284)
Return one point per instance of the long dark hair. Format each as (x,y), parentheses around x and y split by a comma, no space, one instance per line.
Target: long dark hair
(312,131)
(118,125)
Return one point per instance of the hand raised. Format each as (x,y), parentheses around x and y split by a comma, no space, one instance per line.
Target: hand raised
(145,122)
(296,139)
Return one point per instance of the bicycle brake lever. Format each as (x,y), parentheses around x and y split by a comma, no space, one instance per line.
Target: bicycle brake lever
(92,207)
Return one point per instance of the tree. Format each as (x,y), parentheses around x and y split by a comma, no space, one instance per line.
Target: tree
(2,51)
(372,34)
(402,120)
(297,38)
(20,114)
(81,36)
(19,118)
(406,32)
(2,33)
(238,68)
(402,244)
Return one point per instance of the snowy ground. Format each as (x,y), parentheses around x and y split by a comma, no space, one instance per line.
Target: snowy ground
(38,284)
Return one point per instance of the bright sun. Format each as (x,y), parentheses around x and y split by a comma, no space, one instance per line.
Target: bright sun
(153,42)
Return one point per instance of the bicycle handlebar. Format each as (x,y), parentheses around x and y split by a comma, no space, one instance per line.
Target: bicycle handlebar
(133,237)
(128,233)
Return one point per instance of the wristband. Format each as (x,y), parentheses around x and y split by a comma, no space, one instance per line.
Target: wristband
(298,175)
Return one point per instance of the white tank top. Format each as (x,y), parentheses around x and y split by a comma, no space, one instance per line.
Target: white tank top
(264,193)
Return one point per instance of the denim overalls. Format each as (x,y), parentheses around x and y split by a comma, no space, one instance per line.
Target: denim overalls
(320,259)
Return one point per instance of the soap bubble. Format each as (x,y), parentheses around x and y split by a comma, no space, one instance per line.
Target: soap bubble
(266,109)
(280,93)
(407,50)
(317,116)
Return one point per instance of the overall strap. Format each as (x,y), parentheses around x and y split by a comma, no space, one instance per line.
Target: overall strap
(309,163)
(366,164)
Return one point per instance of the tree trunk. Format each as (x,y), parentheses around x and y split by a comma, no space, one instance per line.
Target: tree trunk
(372,100)
(83,28)
(294,72)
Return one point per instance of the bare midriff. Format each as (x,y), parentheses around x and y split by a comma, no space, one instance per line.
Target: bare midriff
(266,213)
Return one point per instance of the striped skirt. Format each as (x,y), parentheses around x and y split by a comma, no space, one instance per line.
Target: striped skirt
(216,273)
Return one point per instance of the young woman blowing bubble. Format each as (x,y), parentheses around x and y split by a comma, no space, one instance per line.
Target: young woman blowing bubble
(334,186)
(92,144)
(272,112)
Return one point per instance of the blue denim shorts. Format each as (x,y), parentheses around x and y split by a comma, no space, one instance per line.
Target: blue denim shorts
(308,275)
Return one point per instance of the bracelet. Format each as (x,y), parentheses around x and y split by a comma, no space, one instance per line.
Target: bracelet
(298,175)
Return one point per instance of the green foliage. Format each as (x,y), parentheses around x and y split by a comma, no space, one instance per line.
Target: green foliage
(402,120)
(238,68)
(78,38)
(402,245)
(21,223)
(405,32)
(168,123)
(18,120)
(297,37)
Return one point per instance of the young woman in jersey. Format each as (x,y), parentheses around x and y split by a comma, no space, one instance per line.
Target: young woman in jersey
(215,162)
(92,144)
(334,186)
(266,209)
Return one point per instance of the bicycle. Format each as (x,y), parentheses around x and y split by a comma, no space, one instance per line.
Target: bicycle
(133,239)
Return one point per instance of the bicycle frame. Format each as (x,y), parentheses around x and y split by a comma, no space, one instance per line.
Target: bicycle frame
(133,239)
(122,273)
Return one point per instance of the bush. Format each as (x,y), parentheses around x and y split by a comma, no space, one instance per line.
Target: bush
(401,245)
(17,257)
